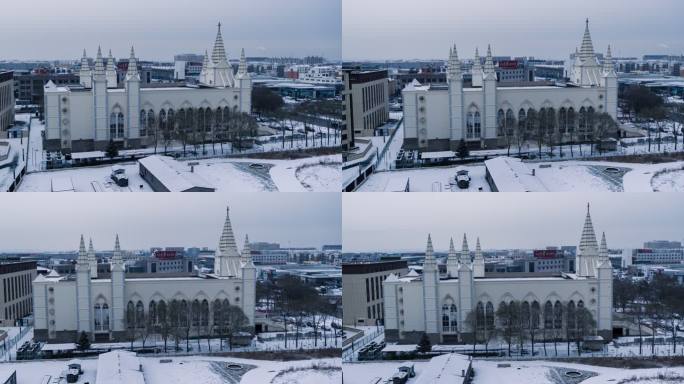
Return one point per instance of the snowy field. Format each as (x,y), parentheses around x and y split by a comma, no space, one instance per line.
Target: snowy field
(527,372)
(196,369)
(561,176)
(319,174)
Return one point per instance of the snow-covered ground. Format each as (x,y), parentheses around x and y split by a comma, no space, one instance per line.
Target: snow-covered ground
(559,176)
(528,372)
(318,174)
(196,369)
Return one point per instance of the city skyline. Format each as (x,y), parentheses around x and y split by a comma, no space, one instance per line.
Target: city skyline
(504,221)
(535,28)
(56,221)
(270,28)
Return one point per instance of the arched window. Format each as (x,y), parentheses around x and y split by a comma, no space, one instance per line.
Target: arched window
(190,122)
(445,318)
(143,123)
(161,312)
(163,121)
(152,313)
(139,315)
(130,315)
(208,119)
(217,312)
(489,316)
(120,126)
(171,120)
(525,314)
(571,313)
(535,312)
(500,123)
(558,315)
(470,125)
(480,316)
(562,121)
(582,121)
(571,120)
(219,118)
(195,313)
(150,122)
(531,119)
(548,315)
(522,119)
(183,314)
(478,125)
(204,320)
(449,317)
(112,125)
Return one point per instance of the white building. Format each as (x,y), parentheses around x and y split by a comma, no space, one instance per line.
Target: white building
(87,117)
(99,304)
(439,305)
(437,117)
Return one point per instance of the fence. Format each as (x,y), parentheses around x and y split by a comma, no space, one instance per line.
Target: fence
(10,342)
(349,351)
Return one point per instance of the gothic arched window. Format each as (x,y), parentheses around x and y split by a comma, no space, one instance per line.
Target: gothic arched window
(143,123)
(558,315)
(548,315)
(562,121)
(139,315)
(489,316)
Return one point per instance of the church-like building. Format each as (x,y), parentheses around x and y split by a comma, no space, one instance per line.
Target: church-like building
(106,306)
(87,117)
(483,112)
(439,304)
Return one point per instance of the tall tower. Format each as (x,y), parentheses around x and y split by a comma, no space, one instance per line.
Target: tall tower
(248,282)
(92,260)
(605,293)
(112,81)
(244,84)
(227,259)
(85,75)
(132,84)
(489,85)
(118,290)
(83,290)
(430,280)
(455,79)
(476,71)
(100,99)
(465,290)
(586,71)
(218,73)
(478,263)
(610,83)
(452,261)
(587,256)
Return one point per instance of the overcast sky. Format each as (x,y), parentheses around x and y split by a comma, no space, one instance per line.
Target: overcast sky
(54,221)
(47,29)
(396,29)
(402,221)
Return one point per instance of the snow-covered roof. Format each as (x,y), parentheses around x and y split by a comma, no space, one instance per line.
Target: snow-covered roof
(451,368)
(412,273)
(438,155)
(169,173)
(512,175)
(400,348)
(119,367)
(397,184)
(58,347)
(87,155)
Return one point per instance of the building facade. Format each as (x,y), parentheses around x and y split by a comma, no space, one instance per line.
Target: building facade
(105,306)
(439,305)
(366,103)
(17,293)
(362,296)
(437,118)
(98,111)
(6,102)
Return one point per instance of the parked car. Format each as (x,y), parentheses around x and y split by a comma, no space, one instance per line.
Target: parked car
(119,177)
(463,179)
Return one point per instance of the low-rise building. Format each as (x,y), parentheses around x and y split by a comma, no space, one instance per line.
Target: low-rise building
(6,102)
(16,301)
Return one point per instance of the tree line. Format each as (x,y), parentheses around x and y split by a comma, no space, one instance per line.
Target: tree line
(643,106)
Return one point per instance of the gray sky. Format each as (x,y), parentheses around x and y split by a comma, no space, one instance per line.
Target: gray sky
(53,221)
(402,221)
(403,29)
(46,29)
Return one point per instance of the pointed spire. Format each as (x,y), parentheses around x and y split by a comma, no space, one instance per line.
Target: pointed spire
(84,54)
(227,244)
(90,246)
(242,68)
(452,260)
(477,66)
(246,250)
(219,53)
(603,251)
(608,66)
(82,255)
(117,259)
(588,241)
(110,62)
(429,264)
(489,62)
(465,253)
(587,50)
(429,250)
(454,69)
(478,250)
(99,63)
(132,65)
(452,250)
